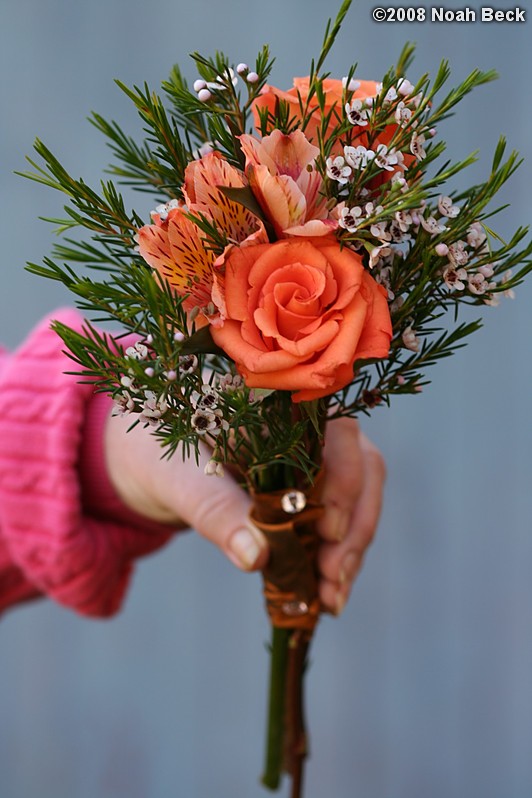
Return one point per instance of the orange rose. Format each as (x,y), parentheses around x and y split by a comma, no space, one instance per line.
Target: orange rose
(298,313)
(333,90)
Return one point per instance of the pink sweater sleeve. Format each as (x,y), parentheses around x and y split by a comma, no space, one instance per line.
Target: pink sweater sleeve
(63,531)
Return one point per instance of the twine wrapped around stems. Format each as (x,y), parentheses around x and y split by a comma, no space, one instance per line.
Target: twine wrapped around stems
(290,577)
(288,519)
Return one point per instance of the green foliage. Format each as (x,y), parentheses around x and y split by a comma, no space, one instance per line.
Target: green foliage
(177,379)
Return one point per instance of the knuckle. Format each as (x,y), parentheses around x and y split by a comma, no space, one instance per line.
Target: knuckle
(377,461)
(381,465)
(351,427)
(367,529)
(214,509)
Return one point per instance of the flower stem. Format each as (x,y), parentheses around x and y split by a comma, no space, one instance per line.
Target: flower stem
(296,736)
(276,708)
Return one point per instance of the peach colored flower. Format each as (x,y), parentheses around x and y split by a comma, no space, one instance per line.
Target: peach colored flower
(299,313)
(281,172)
(334,93)
(203,179)
(175,246)
(334,105)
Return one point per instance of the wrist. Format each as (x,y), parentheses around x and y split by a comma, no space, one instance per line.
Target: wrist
(108,487)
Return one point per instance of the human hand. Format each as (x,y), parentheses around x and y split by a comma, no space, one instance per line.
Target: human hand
(178,492)
(355,473)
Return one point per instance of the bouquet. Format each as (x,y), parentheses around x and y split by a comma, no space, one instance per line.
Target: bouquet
(297,268)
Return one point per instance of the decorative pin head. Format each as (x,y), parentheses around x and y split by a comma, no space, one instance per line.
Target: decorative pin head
(295,608)
(293,502)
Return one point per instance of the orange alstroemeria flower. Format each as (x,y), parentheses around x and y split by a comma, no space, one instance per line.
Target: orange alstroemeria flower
(175,246)
(281,172)
(299,313)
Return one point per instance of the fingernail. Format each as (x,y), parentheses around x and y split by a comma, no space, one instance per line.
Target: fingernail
(244,548)
(337,523)
(341,598)
(349,567)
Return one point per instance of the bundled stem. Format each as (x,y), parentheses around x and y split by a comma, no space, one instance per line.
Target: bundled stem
(291,591)
(296,748)
(273,764)
(286,740)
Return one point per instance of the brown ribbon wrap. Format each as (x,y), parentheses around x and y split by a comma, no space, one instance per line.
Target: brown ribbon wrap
(290,577)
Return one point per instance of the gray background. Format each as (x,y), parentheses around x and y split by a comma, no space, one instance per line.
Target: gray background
(424,686)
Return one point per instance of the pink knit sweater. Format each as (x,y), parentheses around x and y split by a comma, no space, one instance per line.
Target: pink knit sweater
(64,532)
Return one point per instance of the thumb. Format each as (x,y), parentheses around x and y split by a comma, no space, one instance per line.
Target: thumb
(218,509)
(178,491)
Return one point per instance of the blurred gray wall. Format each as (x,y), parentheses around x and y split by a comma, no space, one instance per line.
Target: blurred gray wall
(424,686)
